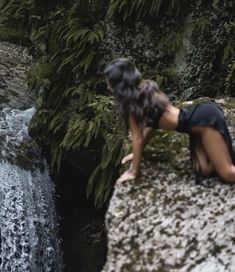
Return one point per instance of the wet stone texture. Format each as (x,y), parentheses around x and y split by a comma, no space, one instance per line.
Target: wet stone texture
(164,221)
(14,64)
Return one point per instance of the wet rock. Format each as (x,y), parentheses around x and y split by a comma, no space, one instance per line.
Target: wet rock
(14,64)
(163,221)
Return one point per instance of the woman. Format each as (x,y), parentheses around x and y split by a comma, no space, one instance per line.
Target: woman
(143,108)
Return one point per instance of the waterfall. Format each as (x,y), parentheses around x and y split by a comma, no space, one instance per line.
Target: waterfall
(28,222)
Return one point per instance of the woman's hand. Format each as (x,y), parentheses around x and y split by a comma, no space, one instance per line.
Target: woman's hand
(127,175)
(127,158)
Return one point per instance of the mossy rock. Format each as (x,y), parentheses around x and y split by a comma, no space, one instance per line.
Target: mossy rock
(164,220)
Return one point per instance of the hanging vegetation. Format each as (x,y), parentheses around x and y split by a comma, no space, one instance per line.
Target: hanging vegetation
(15,20)
(137,9)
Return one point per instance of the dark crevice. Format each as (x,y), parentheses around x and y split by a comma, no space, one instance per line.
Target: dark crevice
(81,225)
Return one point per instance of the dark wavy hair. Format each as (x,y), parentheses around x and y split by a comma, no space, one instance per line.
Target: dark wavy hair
(132,94)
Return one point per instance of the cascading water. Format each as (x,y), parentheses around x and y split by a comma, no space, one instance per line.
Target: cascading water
(28,223)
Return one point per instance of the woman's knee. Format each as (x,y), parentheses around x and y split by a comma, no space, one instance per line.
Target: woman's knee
(206,171)
(228,174)
(203,169)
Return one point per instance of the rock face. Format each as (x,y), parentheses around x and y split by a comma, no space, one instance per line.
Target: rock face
(14,63)
(165,222)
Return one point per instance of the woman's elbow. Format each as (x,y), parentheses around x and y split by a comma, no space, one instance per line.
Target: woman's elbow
(138,140)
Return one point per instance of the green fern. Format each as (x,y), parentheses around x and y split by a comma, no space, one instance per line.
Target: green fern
(171,42)
(39,75)
(229,51)
(102,178)
(82,40)
(15,16)
(139,8)
(170,72)
(57,156)
(230,79)
(15,10)
(201,25)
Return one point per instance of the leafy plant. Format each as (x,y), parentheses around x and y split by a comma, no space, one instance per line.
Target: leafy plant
(15,16)
(39,75)
(139,8)
(83,129)
(229,49)
(82,40)
(230,80)
(201,25)
(78,43)
(171,42)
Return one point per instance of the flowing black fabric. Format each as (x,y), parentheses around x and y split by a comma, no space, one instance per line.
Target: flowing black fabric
(204,114)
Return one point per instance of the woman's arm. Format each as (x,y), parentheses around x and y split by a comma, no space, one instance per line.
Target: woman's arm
(137,144)
(148,133)
(139,140)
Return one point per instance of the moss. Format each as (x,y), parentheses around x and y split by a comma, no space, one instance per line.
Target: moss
(13,35)
(227,102)
(166,147)
(28,157)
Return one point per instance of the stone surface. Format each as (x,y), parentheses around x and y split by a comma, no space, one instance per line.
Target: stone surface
(163,221)
(14,64)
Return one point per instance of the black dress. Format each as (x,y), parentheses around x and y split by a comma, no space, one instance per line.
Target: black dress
(204,114)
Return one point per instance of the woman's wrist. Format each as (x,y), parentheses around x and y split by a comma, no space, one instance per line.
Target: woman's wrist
(127,175)
(133,171)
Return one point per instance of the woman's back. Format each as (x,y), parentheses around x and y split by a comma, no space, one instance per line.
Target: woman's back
(169,119)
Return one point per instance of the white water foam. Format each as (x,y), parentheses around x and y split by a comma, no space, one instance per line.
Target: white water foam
(28,223)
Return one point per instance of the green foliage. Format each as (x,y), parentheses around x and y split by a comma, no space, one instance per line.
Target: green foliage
(14,35)
(39,75)
(231,77)
(139,8)
(78,43)
(171,42)
(111,156)
(220,5)
(20,9)
(82,120)
(201,25)
(229,49)
(82,41)
(82,129)
(14,20)
(72,116)
(100,124)
(230,80)
(89,124)
(90,11)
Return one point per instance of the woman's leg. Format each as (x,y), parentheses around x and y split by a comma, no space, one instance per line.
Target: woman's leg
(202,164)
(217,152)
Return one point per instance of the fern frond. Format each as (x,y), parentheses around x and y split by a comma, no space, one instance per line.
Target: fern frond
(171,42)
(140,8)
(202,25)
(229,50)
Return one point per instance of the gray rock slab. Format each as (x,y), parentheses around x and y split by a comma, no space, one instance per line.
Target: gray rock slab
(163,221)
